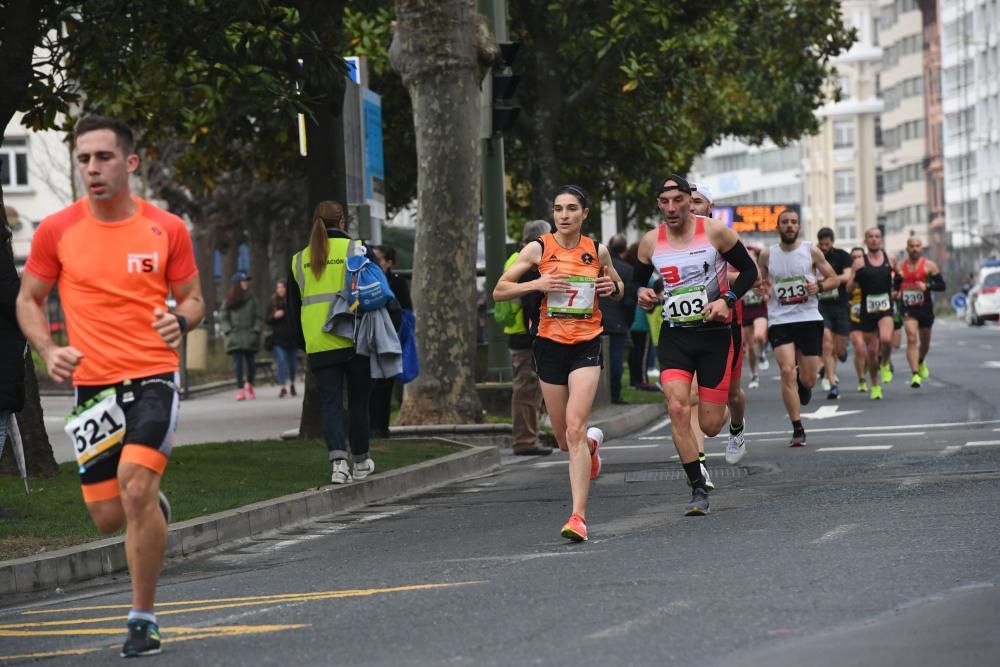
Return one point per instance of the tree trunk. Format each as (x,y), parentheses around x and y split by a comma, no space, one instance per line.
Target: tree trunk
(205,259)
(38,456)
(262,285)
(439,48)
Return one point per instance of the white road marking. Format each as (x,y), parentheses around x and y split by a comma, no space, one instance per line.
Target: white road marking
(549,464)
(663,423)
(837,532)
(629,447)
(708,455)
(338,527)
(992,364)
(996,430)
(836,429)
(890,435)
(983,443)
(909,483)
(828,411)
(520,557)
(652,616)
(857,448)
(652,437)
(752,439)
(949,450)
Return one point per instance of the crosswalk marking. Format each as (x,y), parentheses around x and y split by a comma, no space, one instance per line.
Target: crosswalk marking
(983,443)
(890,435)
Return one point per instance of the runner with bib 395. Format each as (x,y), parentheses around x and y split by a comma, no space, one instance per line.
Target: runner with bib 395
(873,273)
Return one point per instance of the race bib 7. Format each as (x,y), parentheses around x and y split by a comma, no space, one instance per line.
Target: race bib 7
(829,295)
(683,305)
(577,301)
(791,290)
(96,428)
(878,303)
(751,298)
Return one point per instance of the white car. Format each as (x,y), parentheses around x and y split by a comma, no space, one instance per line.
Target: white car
(984,297)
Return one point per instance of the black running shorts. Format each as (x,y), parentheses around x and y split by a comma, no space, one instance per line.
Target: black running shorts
(806,336)
(707,351)
(836,317)
(150,406)
(555,361)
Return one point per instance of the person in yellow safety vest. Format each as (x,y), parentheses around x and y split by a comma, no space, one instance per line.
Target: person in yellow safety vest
(318,273)
(526,393)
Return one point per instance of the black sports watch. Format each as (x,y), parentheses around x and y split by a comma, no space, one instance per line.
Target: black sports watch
(182,323)
(730,299)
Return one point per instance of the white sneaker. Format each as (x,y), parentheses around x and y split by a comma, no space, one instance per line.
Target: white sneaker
(597,435)
(754,383)
(364,468)
(762,363)
(736,447)
(341,472)
(709,484)
(825,384)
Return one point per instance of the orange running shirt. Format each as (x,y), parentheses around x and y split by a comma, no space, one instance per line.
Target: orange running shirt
(111,277)
(562,319)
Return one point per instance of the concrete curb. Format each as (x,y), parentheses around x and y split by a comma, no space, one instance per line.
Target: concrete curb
(95,559)
(627,419)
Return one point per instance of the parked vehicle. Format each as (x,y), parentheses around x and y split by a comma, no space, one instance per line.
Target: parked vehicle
(984,296)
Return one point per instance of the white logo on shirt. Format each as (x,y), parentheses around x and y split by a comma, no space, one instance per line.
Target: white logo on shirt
(143,262)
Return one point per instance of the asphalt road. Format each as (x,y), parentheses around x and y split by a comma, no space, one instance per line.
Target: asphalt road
(875,544)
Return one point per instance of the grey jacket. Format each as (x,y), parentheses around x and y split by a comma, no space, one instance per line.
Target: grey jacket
(372,332)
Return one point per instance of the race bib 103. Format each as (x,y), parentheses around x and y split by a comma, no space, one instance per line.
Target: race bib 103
(684,305)
(96,428)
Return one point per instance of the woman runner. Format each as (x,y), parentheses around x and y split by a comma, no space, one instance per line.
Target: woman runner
(575,270)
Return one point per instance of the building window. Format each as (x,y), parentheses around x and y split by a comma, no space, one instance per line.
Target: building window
(847,230)
(843,186)
(843,134)
(844,84)
(14,164)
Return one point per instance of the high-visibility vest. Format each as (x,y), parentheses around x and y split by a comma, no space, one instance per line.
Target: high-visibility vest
(519,327)
(317,295)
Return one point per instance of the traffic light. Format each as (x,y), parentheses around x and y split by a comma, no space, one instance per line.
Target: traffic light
(504,84)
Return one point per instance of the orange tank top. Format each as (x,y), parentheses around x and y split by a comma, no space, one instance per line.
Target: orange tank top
(573,316)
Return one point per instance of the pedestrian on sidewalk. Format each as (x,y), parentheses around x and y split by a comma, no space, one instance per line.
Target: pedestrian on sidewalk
(282,339)
(380,401)
(319,273)
(574,271)
(616,317)
(116,258)
(241,325)
(525,393)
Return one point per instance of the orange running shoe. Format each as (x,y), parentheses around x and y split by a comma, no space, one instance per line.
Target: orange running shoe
(595,436)
(575,529)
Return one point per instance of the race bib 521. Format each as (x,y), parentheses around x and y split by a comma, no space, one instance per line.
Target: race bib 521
(97,427)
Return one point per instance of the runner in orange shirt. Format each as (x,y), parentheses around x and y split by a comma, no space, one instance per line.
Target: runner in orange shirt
(575,271)
(116,258)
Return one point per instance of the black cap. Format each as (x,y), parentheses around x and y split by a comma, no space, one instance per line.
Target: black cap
(681,182)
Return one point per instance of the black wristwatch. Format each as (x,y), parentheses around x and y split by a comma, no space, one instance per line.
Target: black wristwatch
(730,299)
(182,323)
(617,290)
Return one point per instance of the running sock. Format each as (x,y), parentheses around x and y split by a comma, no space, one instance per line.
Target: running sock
(797,426)
(734,429)
(141,615)
(693,471)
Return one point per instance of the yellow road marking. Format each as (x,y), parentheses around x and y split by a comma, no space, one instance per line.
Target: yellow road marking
(210,605)
(277,597)
(186,634)
(213,630)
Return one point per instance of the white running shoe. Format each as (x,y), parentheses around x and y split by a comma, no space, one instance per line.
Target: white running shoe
(341,472)
(825,384)
(754,382)
(364,468)
(762,363)
(597,435)
(736,447)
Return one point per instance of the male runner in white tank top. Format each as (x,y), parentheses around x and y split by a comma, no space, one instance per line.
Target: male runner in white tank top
(795,325)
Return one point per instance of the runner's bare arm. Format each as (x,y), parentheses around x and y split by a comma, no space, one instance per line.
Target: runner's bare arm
(830,279)
(645,295)
(60,361)
(762,264)
(608,284)
(190,306)
(507,287)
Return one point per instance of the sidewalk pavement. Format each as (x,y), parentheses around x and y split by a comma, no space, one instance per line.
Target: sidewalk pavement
(95,559)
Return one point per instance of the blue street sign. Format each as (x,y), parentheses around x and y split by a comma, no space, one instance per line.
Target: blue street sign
(959,301)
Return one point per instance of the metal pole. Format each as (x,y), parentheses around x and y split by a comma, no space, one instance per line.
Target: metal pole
(18,444)
(494,205)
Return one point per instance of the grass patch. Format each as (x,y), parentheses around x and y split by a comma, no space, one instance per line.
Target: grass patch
(200,480)
(638,396)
